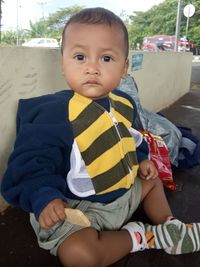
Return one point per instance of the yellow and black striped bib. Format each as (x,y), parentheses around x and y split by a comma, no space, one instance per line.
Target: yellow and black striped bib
(107,148)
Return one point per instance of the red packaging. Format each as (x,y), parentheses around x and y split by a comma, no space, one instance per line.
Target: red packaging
(158,153)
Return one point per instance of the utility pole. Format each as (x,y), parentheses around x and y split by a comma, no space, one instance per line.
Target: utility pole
(178,24)
(42,4)
(1,2)
(17,22)
(17,28)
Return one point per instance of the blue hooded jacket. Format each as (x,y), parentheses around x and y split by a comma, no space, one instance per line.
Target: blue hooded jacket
(39,163)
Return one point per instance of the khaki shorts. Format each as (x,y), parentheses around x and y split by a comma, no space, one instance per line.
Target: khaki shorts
(111,216)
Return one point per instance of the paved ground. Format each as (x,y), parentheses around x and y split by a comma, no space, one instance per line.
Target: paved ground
(18,246)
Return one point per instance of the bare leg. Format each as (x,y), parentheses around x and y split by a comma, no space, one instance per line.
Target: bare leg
(90,248)
(154,200)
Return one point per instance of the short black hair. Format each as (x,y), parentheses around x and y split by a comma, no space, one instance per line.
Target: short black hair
(97,15)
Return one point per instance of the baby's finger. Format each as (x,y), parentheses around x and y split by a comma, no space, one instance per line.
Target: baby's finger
(45,222)
(142,176)
(60,212)
(148,177)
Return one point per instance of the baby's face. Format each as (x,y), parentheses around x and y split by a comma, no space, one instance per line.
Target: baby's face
(94,59)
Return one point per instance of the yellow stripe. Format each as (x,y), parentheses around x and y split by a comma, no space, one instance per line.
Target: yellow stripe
(121,118)
(125,182)
(121,99)
(87,137)
(76,105)
(135,170)
(128,144)
(106,161)
(112,156)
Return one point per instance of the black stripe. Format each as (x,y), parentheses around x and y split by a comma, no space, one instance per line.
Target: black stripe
(126,111)
(109,178)
(131,157)
(104,142)
(150,239)
(124,132)
(89,115)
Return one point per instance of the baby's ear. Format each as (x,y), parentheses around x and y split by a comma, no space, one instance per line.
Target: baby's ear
(126,65)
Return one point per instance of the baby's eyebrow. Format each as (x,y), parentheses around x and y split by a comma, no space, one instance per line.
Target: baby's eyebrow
(107,50)
(110,50)
(103,50)
(79,46)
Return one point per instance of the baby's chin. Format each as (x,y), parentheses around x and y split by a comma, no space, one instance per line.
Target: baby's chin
(94,93)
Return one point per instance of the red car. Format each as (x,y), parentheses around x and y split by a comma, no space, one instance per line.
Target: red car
(159,43)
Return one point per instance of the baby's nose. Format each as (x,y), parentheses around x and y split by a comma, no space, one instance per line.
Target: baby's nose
(92,68)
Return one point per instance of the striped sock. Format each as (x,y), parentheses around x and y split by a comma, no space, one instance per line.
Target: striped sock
(161,236)
(189,241)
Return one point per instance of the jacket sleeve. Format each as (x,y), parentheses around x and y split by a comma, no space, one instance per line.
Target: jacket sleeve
(38,165)
(142,151)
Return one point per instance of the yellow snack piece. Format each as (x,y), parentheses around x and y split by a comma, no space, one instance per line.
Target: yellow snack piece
(76,216)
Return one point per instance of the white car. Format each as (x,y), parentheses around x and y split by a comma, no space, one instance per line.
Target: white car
(41,42)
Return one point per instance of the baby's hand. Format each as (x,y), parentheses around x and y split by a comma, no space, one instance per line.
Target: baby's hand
(147,170)
(53,213)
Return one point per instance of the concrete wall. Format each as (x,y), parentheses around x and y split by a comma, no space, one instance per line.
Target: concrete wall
(27,72)
(163,78)
(24,72)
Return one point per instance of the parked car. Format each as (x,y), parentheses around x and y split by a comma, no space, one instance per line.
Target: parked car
(41,42)
(165,43)
(158,43)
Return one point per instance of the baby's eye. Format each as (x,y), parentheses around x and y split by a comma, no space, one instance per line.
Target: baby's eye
(79,57)
(107,58)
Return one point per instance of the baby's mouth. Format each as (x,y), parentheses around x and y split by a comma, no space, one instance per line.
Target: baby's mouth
(93,82)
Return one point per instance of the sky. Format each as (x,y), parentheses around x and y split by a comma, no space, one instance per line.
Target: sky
(18,13)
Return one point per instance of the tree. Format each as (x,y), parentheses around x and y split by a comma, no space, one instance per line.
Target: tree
(161,19)
(9,37)
(38,29)
(53,25)
(56,21)
(1,2)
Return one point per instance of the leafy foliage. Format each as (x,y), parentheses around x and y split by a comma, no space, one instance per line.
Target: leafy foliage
(56,21)
(8,38)
(50,27)
(38,29)
(161,19)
